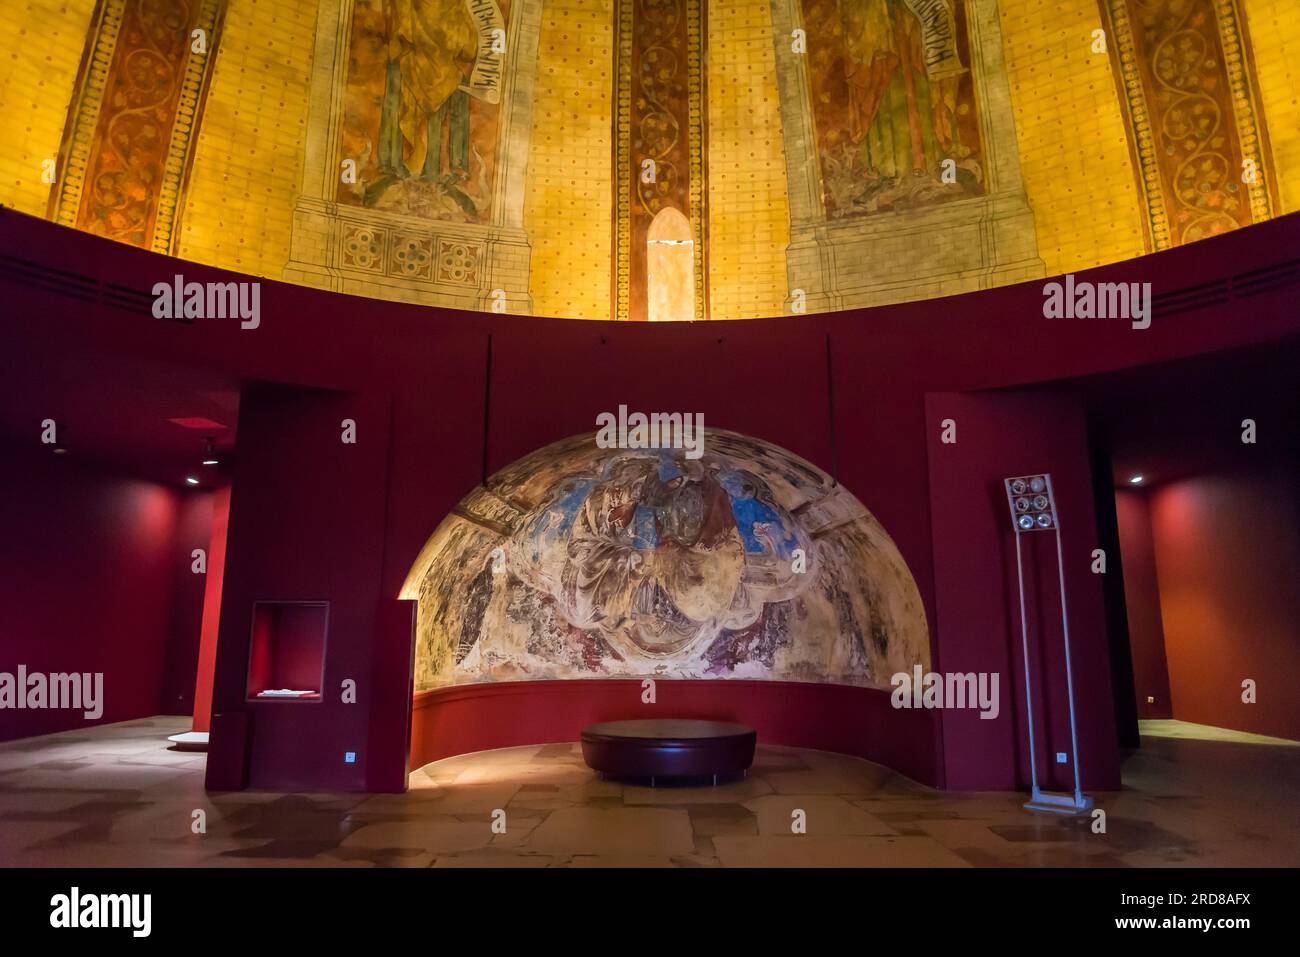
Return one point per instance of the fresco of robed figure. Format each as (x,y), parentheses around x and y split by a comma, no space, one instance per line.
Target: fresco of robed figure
(892,101)
(421,105)
(578,561)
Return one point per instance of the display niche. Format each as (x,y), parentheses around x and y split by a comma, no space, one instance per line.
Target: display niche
(286,659)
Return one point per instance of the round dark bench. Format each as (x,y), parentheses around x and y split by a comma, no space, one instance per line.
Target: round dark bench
(668,749)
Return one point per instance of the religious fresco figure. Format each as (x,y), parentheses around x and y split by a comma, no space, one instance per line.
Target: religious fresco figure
(432,46)
(893,102)
(885,60)
(580,561)
(653,553)
(421,106)
(699,556)
(605,566)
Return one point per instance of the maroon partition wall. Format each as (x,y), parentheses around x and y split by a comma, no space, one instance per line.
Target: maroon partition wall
(977,605)
(306,525)
(313,519)
(1142,598)
(1226,548)
(94,579)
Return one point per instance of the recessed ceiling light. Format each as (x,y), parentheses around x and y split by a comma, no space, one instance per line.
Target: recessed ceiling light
(1135,480)
(197,422)
(191,480)
(210,453)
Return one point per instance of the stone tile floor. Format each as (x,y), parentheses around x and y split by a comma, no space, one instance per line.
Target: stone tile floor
(116,796)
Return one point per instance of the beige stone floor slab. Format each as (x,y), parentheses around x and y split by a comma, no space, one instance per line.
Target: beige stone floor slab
(818,782)
(118,796)
(468,799)
(620,860)
(814,851)
(495,860)
(824,815)
(437,836)
(650,831)
(729,792)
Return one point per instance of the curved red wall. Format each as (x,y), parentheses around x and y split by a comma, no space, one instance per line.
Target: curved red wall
(842,718)
(312,519)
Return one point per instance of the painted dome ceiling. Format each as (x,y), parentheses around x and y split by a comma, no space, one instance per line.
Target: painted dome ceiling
(652,159)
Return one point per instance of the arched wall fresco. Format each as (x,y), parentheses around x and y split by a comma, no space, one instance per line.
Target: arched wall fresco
(742,562)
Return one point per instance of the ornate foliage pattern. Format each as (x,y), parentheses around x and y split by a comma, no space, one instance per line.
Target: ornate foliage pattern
(1190,94)
(659,118)
(139,99)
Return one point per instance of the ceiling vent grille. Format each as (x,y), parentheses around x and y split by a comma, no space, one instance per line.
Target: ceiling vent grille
(1267,279)
(122,297)
(61,281)
(1202,296)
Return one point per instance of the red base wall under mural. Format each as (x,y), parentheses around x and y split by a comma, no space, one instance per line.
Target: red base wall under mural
(313,519)
(840,718)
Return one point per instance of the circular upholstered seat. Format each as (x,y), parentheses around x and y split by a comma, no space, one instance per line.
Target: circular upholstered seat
(668,748)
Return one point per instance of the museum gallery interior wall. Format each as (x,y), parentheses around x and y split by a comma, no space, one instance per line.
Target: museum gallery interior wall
(123,547)
(309,524)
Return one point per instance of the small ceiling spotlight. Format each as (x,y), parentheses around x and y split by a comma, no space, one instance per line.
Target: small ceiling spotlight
(210,453)
(1135,480)
(191,480)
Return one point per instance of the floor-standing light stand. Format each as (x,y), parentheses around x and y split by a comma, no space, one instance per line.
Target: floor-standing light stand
(1033,509)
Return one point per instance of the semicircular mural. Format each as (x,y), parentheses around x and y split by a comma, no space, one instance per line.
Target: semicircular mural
(747,562)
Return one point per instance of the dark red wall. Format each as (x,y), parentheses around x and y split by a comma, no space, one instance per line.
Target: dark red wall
(89,564)
(1228,553)
(977,614)
(306,524)
(313,520)
(184,625)
(1142,599)
(206,662)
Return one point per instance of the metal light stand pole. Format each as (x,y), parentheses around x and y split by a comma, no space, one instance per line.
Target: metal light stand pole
(1033,508)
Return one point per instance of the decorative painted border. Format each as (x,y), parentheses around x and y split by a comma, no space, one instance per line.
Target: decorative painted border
(82,124)
(1248,110)
(83,114)
(408,250)
(697,166)
(189,112)
(621,269)
(1144,150)
(697,114)
(1142,144)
